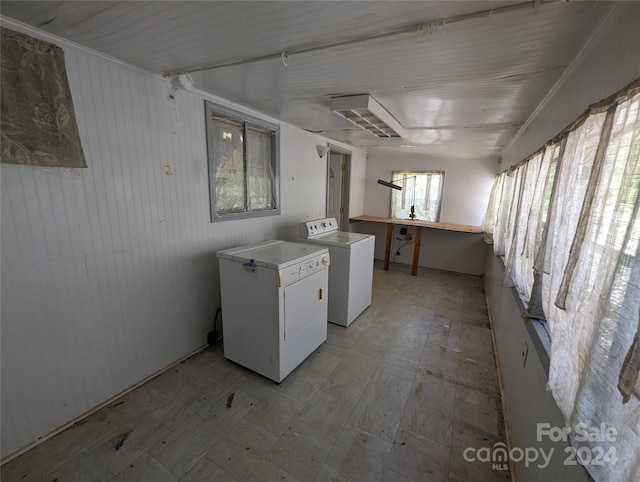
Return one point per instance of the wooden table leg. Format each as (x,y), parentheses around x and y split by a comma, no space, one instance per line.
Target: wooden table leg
(416,251)
(387,248)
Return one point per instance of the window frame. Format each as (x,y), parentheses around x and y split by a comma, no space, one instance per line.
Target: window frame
(215,111)
(409,174)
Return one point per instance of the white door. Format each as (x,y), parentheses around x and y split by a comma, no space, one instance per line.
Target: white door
(334,186)
(339,166)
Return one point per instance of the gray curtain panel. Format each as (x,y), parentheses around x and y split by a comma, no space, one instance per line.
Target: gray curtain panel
(38,124)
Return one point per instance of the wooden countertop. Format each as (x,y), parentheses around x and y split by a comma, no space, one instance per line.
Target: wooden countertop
(462,228)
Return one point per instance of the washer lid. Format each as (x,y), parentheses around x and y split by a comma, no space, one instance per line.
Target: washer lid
(340,238)
(274,254)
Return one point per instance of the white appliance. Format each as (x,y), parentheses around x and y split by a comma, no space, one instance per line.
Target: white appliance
(274,304)
(351,273)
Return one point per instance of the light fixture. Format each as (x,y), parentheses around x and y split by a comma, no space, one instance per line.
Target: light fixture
(365,112)
(395,186)
(389,184)
(322,150)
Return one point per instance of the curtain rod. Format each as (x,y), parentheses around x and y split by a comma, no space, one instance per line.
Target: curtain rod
(628,91)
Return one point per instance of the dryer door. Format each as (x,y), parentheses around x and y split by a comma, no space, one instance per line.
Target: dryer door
(305,302)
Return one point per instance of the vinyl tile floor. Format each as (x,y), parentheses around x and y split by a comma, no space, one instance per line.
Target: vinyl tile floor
(397,396)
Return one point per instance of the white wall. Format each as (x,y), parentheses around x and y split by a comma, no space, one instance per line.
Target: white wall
(445,250)
(357,183)
(611,63)
(526,401)
(467,184)
(109,273)
(467,187)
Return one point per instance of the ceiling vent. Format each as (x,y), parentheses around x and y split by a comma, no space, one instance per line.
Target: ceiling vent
(365,112)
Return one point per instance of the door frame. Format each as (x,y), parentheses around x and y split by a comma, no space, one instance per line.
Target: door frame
(346,182)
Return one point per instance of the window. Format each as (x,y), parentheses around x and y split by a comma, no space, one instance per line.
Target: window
(421,191)
(243,156)
(554,151)
(578,230)
(537,177)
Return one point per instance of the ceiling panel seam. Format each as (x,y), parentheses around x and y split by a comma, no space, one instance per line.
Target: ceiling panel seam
(614,9)
(433,25)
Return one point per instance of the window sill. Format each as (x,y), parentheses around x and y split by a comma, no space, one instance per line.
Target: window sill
(248,215)
(537,329)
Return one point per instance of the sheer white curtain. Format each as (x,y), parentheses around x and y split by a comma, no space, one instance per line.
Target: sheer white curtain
(553,155)
(590,286)
(568,223)
(488,223)
(573,177)
(501,221)
(502,214)
(261,193)
(514,209)
(421,191)
(519,264)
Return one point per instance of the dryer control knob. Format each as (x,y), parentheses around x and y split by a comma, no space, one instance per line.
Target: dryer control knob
(325,260)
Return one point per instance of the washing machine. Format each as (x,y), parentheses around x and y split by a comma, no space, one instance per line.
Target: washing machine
(274,304)
(351,273)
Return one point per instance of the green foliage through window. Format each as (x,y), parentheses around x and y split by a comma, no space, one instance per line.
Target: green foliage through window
(243,157)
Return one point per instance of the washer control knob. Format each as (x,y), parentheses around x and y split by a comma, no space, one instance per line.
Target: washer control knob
(325,260)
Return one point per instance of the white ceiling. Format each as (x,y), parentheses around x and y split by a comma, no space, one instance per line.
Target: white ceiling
(461,77)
